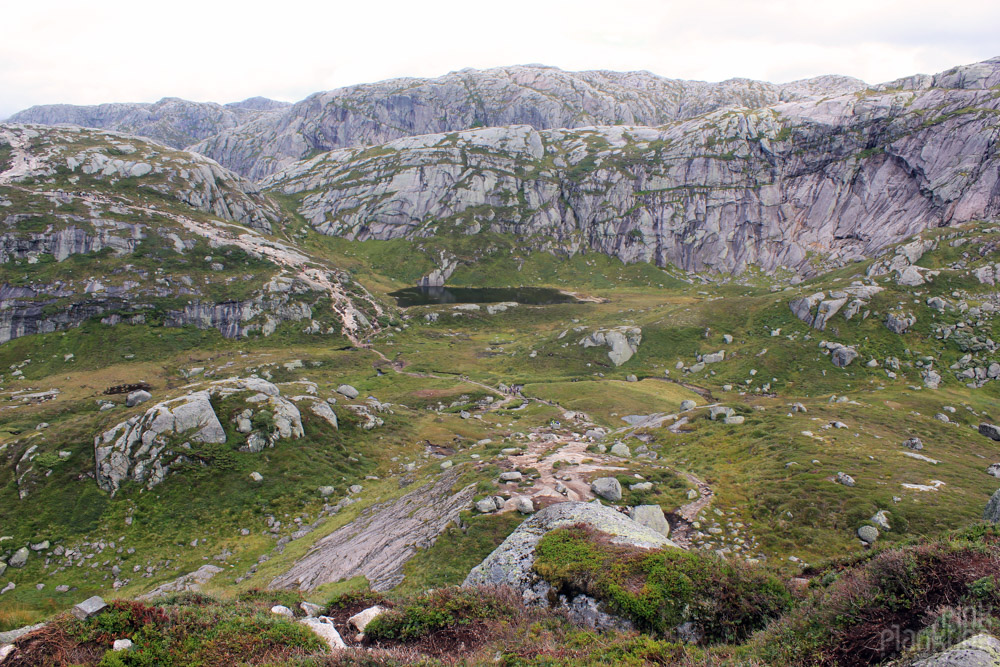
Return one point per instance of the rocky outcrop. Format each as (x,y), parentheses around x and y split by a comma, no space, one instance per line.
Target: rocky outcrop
(171,121)
(623,341)
(510,564)
(143,448)
(844,176)
(382,539)
(816,309)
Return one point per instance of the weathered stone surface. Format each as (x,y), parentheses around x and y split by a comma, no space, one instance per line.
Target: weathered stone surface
(990,431)
(89,607)
(623,341)
(361,619)
(379,542)
(324,628)
(651,516)
(137,397)
(868,534)
(188,583)
(992,511)
(348,391)
(608,488)
(981,650)
(172,121)
(19,558)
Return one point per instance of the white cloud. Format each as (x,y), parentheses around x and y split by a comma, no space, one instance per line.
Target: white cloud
(118,50)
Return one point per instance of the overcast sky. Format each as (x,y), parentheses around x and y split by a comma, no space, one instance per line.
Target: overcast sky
(79,52)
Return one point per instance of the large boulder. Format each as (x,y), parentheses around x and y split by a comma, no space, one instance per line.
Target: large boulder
(651,516)
(623,341)
(510,564)
(608,488)
(141,449)
(990,431)
(992,511)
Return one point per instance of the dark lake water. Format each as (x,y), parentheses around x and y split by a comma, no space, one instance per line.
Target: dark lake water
(532,296)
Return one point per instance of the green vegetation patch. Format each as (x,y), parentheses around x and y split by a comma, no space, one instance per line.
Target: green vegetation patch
(663,589)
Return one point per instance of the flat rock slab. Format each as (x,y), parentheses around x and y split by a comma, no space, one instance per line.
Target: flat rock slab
(378,543)
(89,607)
(11,635)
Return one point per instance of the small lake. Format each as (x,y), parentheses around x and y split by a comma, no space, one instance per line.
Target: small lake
(531,296)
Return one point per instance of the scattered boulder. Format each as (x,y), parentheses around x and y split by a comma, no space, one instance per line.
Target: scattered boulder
(990,431)
(868,534)
(842,356)
(122,645)
(513,476)
(688,405)
(881,519)
(714,357)
(845,479)
(325,629)
(734,419)
(620,449)
(608,488)
(89,608)
(720,410)
(348,391)
(913,443)
(624,342)
(361,620)
(137,397)
(651,516)
(256,477)
(489,505)
(899,323)
(992,469)
(20,558)
(992,511)
(310,610)
(931,378)
(282,610)
(326,413)
(631,378)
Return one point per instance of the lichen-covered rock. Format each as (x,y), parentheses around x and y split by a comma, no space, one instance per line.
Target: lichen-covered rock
(510,564)
(992,511)
(143,447)
(982,650)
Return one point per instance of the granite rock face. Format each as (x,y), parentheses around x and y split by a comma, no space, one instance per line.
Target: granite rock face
(845,176)
(538,96)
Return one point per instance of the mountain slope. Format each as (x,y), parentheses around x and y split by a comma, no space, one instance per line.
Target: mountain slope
(542,97)
(98,224)
(171,121)
(841,177)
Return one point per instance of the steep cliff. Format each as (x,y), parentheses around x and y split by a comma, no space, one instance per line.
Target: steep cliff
(840,177)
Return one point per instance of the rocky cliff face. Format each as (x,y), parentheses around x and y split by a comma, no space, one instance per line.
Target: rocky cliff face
(541,97)
(152,235)
(841,177)
(171,121)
